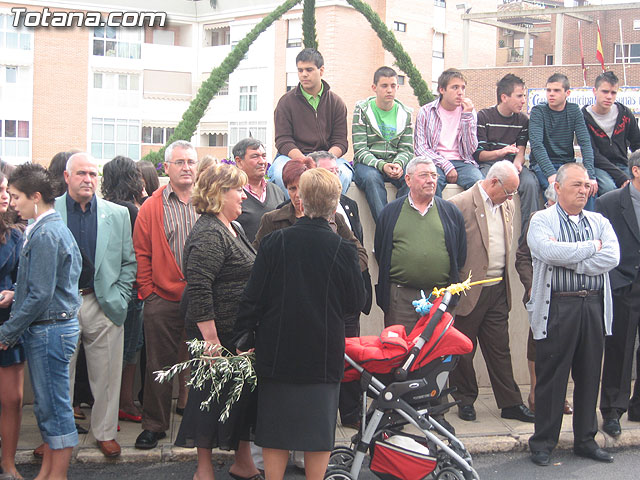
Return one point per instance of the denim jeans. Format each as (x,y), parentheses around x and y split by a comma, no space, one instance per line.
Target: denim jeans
(133,339)
(275,173)
(49,349)
(544,183)
(468,175)
(371,181)
(605,181)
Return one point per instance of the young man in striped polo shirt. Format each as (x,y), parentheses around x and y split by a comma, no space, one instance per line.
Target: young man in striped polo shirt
(382,141)
(503,132)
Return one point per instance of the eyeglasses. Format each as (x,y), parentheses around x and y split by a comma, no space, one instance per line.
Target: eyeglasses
(508,194)
(181,163)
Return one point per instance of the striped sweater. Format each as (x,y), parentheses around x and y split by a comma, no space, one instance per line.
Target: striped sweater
(371,148)
(551,138)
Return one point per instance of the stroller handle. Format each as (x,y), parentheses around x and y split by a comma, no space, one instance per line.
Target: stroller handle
(400,374)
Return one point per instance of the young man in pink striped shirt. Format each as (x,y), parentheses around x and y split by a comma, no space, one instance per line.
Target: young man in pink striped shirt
(446,132)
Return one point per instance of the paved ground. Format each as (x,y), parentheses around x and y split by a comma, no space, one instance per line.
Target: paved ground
(498,466)
(488,434)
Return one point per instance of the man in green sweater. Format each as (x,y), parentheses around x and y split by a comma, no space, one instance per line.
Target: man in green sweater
(382,141)
(552,126)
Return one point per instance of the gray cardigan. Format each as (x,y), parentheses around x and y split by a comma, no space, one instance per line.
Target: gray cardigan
(579,256)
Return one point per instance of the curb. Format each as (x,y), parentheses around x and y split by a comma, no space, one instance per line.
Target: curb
(476,445)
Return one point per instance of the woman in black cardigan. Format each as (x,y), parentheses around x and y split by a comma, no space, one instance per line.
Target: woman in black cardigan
(305,280)
(217,262)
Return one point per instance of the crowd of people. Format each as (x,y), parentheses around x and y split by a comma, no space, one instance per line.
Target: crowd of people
(272,260)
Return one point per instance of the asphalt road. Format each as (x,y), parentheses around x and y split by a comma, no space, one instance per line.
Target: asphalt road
(503,466)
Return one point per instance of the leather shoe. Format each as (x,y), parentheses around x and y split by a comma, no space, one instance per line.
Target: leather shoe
(541,458)
(467,412)
(611,426)
(518,412)
(597,454)
(148,439)
(122,415)
(109,448)
(39,451)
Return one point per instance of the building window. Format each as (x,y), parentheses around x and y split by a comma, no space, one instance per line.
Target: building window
(548,59)
(440,3)
(111,137)
(224,90)
(248,99)
(217,140)
(116,81)
(116,42)
(240,130)
(220,36)
(631,53)
(11,74)
(294,33)
(438,45)
(400,26)
(12,37)
(14,138)
(636,24)
(400,79)
(156,135)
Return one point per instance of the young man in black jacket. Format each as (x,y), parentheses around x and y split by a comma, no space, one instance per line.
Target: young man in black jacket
(613,130)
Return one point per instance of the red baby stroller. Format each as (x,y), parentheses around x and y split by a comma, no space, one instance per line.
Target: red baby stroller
(410,376)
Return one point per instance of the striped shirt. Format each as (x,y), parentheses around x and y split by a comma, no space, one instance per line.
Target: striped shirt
(496,131)
(427,136)
(565,279)
(179,218)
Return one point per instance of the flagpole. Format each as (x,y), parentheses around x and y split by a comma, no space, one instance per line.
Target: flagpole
(584,69)
(624,68)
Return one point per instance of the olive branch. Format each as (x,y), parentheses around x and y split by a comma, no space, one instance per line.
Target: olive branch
(219,370)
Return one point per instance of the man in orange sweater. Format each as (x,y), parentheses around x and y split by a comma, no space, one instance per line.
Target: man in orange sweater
(161,229)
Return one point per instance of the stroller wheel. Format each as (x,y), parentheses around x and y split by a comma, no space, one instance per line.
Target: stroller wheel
(338,475)
(341,458)
(449,473)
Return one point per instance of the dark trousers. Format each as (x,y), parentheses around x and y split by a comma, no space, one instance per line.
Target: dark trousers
(574,343)
(350,401)
(618,352)
(163,328)
(401,310)
(487,324)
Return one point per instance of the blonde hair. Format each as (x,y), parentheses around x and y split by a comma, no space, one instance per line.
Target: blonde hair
(213,183)
(205,163)
(320,192)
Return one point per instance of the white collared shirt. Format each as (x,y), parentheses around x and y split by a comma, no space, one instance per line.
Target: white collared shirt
(487,200)
(413,205)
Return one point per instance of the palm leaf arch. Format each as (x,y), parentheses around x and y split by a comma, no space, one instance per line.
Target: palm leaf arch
(219,75)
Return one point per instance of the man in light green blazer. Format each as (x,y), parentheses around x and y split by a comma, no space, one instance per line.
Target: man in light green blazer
(103,232)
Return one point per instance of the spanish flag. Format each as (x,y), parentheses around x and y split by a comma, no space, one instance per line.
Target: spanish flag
(599,54)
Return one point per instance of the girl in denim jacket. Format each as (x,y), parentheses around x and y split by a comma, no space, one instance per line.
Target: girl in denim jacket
(44,312)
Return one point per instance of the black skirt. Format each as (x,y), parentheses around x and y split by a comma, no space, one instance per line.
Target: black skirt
(203,429)
(297,416)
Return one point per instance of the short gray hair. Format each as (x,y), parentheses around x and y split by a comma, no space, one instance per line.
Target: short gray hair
(320,154)
(561,174)
(180,144)
(78,155)
(634,160)
(550,193)
(415,161)
(502,170)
